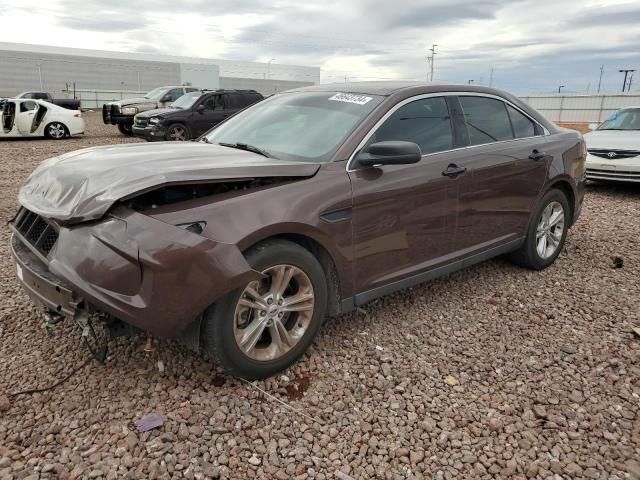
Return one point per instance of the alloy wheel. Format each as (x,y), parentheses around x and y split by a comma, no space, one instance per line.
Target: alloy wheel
(56,130)
(177,133)
(273,314)
(550,230)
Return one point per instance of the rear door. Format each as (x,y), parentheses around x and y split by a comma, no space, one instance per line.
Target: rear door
(506,168)
(26,117)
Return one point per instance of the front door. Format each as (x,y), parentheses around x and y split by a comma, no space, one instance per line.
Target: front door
(26,117)
(213,113)
(506,168)
(404,216)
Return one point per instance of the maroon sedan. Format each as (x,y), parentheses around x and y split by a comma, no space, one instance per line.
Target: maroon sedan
(303,206)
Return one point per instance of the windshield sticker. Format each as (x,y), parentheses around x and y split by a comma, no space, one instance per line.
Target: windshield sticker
(351,98)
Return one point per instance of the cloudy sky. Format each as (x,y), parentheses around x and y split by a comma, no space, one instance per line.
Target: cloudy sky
(531,45)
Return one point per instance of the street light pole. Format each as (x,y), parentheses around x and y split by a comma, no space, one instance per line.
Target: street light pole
(560,87)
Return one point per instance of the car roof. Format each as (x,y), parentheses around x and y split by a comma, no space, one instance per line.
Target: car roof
(386,88)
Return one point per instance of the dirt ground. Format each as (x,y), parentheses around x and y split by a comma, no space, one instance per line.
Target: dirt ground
(492,372)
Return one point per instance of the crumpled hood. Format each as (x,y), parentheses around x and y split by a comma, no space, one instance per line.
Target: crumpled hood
(84,184)
(613,139)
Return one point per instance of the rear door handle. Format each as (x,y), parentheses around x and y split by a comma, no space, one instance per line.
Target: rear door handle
(537,155)
(453,171)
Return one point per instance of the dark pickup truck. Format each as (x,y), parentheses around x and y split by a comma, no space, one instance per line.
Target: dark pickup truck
(69,103)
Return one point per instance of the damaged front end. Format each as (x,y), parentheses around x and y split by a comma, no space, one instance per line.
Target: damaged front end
(150,275)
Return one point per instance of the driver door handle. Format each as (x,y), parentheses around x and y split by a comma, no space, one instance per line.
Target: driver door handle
(453,171)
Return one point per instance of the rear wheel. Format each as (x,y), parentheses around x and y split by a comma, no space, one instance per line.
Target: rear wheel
(55,131)
(125,128)
(177,133)
(546,234)
(265,326)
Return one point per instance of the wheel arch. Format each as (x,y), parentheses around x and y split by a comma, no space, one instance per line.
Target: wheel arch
(566,187)
(322,254)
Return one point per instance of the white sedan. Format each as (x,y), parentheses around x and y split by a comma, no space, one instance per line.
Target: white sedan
(36,118)
(614,148)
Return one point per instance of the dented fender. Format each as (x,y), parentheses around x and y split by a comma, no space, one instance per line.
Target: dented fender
(154,276)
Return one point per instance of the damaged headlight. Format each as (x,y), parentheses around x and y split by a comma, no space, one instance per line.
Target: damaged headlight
(155,120)
(129,110)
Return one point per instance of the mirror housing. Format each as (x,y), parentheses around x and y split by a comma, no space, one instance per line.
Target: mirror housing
(393,152)
(593,126)
(200,108)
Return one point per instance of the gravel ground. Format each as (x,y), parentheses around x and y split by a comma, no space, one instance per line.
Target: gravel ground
(493,372)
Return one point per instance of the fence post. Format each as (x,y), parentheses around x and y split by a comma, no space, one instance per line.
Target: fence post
(560,109)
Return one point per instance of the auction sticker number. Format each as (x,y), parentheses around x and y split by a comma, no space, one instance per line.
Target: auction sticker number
(351,98)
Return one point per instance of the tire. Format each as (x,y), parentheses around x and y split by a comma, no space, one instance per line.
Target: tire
(528,255)
(56,130)
(227,322)
(125,128)
(177,132)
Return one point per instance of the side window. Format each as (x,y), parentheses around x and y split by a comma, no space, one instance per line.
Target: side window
(28,106)
(522,126)
(425,122)
(175,93)
(486,119)
(191,89)
(214,102)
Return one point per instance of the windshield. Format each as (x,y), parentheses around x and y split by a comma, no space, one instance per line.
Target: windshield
(154,94)
(186,101)
(298,126)
(622,120)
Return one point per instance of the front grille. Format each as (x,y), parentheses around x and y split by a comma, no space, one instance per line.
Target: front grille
(36,230)
(613,154)
(141,122)
(620,175)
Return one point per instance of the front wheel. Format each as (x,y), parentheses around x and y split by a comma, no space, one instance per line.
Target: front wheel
(55,131)
(265,326)
(125,128)
(546,234)
(177,133)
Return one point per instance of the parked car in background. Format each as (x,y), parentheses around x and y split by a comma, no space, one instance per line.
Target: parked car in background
(614,147)
(68,103)
(37,118)
(121,113)
(192,114)
(306,204)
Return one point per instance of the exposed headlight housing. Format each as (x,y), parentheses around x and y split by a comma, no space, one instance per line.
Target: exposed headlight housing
(129,110)
(155,120)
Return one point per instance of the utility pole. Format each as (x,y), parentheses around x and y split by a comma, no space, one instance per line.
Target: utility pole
(469,82)
(39,65)
(491,78)
(269,68)
(626,72)
(431,60)
(600,81)
(560,87)
(630,80)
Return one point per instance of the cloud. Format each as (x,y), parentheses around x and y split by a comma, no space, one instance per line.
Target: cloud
(532,45)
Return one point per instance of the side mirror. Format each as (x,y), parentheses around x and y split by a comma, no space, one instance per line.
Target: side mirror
(200,109)
(593,126)
(390,153)
(166,98)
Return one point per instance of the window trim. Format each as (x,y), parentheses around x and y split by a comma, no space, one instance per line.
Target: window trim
(392,110)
